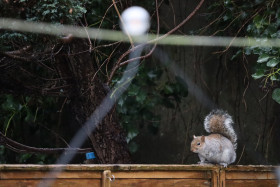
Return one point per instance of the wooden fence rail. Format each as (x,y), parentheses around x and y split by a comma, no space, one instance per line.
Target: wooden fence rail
(138,175)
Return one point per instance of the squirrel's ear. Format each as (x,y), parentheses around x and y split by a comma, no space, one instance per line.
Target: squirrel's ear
(203,138)
(194,137)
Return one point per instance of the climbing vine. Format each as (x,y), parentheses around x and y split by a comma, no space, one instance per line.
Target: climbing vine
(256,19)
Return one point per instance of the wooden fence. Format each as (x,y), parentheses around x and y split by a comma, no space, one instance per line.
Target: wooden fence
(137,175)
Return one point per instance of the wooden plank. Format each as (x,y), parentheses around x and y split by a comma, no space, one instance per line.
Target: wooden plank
(57,183)
(153,167)
(251,183)
(41,174)
(162,174)
(123,167)
(250,175)
(160,183)
(117,174)
(260,168)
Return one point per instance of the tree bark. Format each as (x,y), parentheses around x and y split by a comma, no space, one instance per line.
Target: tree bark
(86,93)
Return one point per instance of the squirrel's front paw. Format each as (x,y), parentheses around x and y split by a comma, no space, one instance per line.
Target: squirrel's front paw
(224,164)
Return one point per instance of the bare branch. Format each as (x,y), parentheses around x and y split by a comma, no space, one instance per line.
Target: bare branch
(118,64)
(20,51)
(15,57)
(239,31)
(20,148)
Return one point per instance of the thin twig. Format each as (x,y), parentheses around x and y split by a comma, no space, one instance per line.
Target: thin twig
(241,155)
(120,17)
(203,29)
(89,40)
(239,31)
(222,30)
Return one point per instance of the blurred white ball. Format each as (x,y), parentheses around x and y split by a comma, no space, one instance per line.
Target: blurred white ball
(136,21)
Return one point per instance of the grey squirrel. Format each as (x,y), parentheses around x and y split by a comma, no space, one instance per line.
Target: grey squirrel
(220,146)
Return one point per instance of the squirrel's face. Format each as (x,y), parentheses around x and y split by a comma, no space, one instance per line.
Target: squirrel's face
(197,143)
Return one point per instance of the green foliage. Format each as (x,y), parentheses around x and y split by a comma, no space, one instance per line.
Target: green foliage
(7,156)
(257,19)
(34,158)
(57,11)
(276,95)
(22,120)
(148,93)
(53,11)
(266,25)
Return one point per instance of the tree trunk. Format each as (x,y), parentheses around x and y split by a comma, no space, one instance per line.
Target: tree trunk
(86,93)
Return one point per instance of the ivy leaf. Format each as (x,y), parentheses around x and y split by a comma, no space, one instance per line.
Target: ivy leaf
(46,12)
(23,158)
(141,97)
(152,74)
(131,134)
(168,89)
(258,74)
(121,102)
(133,91)
(273,77)
(248,51)
(29,116)
(276,95)
(238,53)
(263,58)
(272,63)
(11,105)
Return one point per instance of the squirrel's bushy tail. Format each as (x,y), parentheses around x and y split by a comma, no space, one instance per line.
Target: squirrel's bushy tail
(219,121)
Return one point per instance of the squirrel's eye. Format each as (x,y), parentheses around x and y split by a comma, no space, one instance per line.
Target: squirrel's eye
(198,143)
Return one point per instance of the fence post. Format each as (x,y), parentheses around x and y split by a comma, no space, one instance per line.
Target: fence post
(106,176)
(215,177)
(222,180)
